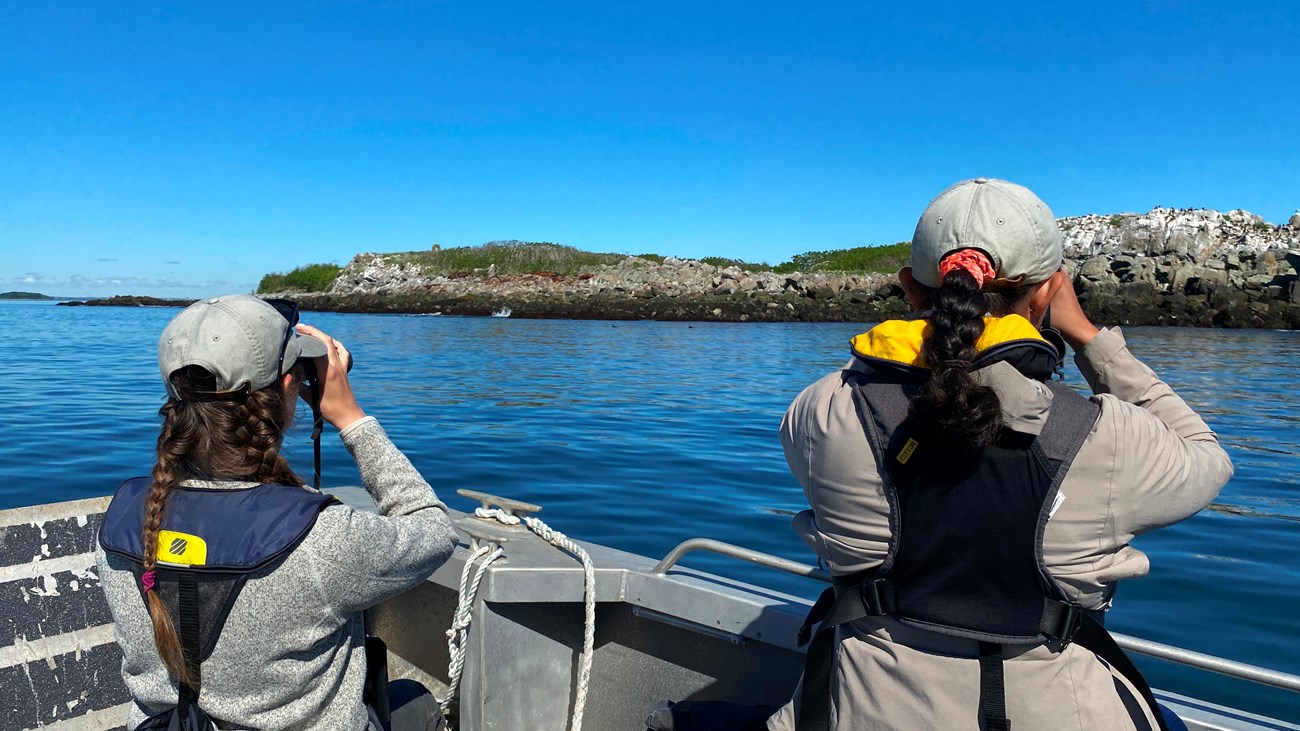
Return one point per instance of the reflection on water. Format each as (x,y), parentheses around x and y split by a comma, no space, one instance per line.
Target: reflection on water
(639,435)
(1252,513)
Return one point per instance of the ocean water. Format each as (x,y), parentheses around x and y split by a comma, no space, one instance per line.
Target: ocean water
(639,435)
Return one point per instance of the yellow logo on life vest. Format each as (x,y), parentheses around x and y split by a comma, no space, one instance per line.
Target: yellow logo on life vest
(181,548)
(905,453)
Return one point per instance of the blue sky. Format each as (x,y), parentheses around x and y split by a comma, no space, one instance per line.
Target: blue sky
(186,149)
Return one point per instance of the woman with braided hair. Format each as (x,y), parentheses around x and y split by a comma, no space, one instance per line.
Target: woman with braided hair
(975,515)
(237,592)
(242,438)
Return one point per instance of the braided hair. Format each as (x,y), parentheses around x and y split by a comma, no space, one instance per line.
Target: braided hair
(215,440)
(952,409)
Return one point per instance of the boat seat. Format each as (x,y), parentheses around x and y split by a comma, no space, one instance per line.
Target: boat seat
(58,659)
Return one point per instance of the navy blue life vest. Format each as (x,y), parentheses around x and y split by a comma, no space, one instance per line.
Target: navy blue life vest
(210,542)
(965,556)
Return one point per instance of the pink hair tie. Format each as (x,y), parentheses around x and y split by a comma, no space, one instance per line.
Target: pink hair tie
(972,260)
(147,579)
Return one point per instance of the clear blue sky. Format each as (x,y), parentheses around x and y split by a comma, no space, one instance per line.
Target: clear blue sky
(188,148)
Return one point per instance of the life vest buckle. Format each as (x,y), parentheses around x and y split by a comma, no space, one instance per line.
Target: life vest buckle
(1061,621)
(878,596)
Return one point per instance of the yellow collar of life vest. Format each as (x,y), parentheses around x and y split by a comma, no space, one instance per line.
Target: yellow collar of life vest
(899,341)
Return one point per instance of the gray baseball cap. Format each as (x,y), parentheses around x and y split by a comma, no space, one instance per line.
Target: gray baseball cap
(1004,220)
(238,338)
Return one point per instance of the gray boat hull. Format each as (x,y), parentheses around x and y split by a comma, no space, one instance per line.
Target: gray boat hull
(679,635)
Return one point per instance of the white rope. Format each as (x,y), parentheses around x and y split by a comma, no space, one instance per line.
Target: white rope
(562,542)
(500,515)
(458,634)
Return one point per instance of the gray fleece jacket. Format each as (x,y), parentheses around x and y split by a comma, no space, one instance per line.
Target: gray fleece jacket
(292,653)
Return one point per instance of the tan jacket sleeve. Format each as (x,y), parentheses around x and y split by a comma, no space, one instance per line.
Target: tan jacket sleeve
(827,451)
(1167,463)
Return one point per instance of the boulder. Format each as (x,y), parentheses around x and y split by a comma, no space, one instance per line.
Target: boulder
(1095,268)
(1179,277)
(1188,239)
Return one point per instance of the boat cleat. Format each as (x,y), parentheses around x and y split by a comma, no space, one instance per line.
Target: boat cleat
(491,530)
(485,532)
(513,508)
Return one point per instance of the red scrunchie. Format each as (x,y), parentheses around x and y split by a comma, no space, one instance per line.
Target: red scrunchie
(972,260)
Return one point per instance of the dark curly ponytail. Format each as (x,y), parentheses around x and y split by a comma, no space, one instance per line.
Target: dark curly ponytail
(952,409)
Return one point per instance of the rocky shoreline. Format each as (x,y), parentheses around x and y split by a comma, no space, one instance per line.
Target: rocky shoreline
(635,289)
(1186,267)
(1191,267)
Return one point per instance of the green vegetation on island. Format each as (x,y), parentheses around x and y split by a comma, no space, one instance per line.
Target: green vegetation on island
(502,258)
(25,296)
(508,257)
(310,278)
(858,260)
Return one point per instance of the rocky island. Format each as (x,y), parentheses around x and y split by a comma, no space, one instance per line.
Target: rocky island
(1169,266)
(25,296)
(1190,267)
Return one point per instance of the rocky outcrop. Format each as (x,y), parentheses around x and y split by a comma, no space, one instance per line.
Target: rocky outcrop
(1166,267)
(636,288)
(1186,267)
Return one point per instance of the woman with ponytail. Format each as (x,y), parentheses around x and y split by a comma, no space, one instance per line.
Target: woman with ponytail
(975,514)
(237,592)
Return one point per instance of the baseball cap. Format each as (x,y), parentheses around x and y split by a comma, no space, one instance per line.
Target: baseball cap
(240,339)
(1002,219)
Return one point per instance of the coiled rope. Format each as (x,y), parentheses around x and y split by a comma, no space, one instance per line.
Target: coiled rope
(459,632)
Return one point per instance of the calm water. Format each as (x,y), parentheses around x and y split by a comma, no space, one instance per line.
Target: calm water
(639,435)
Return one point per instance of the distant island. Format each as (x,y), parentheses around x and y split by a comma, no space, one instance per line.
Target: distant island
(1170,266)
(25,296)
(127,300)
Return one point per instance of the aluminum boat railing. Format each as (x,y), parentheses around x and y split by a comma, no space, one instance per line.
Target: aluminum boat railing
(1170,653)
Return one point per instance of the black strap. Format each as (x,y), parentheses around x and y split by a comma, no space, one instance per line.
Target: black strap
(871,598)
(1068,623)
(993,691)
(317,426)
(819,610)
(316,429)
(188,626)
(814,709)
(374,692)
(1061,621)
(1093,636)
